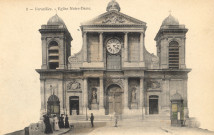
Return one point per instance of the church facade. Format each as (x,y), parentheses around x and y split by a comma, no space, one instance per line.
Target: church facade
(113,72)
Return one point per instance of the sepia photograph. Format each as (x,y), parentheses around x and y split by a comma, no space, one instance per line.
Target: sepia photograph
(110,67)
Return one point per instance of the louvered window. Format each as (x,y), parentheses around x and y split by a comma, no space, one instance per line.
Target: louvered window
(53,55)
(173,55)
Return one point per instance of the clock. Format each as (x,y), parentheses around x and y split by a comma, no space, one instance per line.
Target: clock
(113,46)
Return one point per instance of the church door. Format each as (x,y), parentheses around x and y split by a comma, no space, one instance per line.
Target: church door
(114,100)
(74,105)
(153,104)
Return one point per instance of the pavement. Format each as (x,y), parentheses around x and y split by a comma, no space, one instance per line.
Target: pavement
(138,128)
(22,132)
(126,128)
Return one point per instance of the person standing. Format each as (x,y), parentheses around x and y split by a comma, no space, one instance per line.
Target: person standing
(51,121)
(115,119)
(48,128)
(92,120)
(62,121)
(66,122)
(56,126)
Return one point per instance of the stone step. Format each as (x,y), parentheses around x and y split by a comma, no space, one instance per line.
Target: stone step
(87,124)
(157,117)
(120,117)
(84,118)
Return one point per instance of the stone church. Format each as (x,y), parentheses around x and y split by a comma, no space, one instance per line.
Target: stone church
(114,73)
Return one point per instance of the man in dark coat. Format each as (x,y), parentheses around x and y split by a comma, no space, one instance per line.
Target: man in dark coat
(48,128)
(62,121)
(66,122)
(60,125)
(92,120)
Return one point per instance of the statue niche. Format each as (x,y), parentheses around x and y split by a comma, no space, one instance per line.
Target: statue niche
(94,104)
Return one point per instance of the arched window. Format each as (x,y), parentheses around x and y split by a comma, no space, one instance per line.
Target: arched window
(173,55)
(53,55)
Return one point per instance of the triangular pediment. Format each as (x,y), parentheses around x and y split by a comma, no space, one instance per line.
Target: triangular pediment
(114,18)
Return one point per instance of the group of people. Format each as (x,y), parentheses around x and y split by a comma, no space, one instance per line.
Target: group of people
(53,123)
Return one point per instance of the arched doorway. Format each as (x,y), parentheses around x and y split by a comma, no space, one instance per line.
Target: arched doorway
(53,105)
(114,99)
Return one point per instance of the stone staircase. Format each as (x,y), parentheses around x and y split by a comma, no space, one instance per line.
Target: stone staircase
(146,120)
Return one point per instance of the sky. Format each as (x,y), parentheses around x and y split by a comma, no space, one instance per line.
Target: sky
(21,50)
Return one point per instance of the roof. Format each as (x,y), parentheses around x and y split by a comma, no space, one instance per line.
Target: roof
(55,20)
(170,20)
(113,5)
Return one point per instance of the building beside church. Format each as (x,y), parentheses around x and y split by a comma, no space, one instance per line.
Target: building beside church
(113,72)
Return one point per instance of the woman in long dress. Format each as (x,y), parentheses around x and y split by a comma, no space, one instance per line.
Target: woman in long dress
(56,126)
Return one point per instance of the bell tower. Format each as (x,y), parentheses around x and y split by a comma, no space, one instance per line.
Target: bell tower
(170,43)
(56,44)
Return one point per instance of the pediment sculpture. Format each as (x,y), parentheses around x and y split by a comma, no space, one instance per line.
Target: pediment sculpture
(114,19)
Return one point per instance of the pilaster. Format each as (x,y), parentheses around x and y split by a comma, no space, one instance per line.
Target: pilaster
(101,46)
(125,94)
(61,53)
(126,46)
(101,99)
(141,46)
(44,53)
(85,94)
(42,93)
(141,105)
(85,50)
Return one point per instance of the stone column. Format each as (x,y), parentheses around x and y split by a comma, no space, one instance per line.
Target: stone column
(85,94)
(141,105)
(85,48)
(126,94)
(141,46)
(101,46)
(126,46)
(101,105)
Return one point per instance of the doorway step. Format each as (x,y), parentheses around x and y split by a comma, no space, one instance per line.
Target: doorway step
(96,117)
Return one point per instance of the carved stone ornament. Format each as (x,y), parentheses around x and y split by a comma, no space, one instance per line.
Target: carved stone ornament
(153,85)
(73,85)
(155,59)
(110,81)
(114,20)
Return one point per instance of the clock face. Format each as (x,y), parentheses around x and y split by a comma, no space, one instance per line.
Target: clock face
(113,46)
